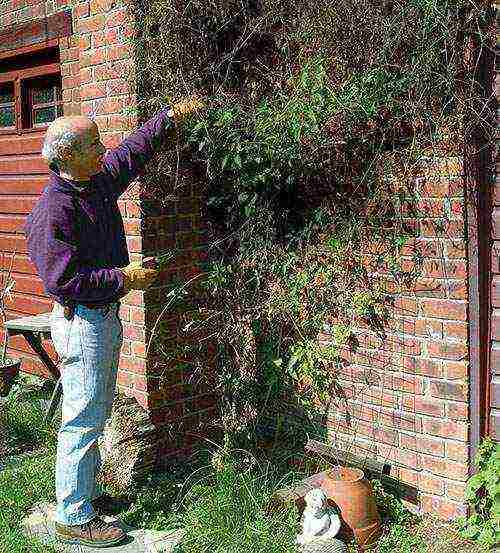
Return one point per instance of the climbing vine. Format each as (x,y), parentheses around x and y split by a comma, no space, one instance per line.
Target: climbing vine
(317,118)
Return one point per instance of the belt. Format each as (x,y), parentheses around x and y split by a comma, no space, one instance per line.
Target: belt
(69,310)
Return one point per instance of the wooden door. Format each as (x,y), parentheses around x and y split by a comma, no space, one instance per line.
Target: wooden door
(30,97)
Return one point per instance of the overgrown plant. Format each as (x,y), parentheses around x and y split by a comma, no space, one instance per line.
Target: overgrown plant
(231,509)
(483,496)
(318,116)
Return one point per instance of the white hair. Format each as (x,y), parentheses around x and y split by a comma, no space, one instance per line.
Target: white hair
(56,144)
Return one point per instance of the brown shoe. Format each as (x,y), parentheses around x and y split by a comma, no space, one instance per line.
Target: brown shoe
(95,533)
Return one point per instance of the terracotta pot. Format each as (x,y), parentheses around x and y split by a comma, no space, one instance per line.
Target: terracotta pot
(8,374)
(352,493)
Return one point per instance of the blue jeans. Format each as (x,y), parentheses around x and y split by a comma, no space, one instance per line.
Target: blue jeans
(89,349)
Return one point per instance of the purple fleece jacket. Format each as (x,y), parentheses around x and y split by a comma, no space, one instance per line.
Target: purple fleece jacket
(75,233)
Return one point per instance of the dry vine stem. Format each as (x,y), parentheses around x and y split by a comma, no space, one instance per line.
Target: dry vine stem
(320,117)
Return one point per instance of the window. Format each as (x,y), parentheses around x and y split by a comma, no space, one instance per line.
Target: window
(30,96)
(42,101)
(7,106)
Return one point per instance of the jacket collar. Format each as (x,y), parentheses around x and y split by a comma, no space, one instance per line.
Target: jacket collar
(70,186)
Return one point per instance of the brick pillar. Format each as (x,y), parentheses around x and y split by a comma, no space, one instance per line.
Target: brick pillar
(407,394)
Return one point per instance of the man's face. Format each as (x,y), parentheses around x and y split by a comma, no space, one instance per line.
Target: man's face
(87,159)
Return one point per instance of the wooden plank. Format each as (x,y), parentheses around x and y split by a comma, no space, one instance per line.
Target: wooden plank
(40,30)
(18,165)
(32,305)
(13,243)
(19,344)
(28,284)
(21,145)
(495,424)
(495,325)
(495,221)
(495,358)
(36,323)
(22,184)
(21,264)
(495,291)
(12,223)
(495,392)
(17,204)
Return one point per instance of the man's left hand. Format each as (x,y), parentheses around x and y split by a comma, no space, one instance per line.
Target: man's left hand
(184,109)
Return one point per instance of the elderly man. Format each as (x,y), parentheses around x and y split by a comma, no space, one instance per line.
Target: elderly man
(76,240)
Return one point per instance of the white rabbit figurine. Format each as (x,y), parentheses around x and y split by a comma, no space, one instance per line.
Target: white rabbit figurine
(319,522)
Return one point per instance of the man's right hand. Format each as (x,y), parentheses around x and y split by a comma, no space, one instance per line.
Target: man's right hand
(136,277)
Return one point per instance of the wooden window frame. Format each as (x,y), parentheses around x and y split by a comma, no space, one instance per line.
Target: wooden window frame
(17,77)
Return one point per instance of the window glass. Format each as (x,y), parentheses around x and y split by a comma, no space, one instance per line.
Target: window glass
(43,94)
(43,116)
(7,117)
(6,93)
(42,100)
(7,109)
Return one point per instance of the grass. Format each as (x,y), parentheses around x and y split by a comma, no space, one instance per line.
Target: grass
(28,478)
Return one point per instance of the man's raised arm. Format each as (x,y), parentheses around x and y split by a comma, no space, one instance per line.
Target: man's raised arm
(127,161)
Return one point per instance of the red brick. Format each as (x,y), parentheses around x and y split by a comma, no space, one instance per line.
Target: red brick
(81,10)
(125,379)
(457,451)
(431,484)
(134,297)
(456,370)
(424,406)
(84,42)
(85,76)
(116,87)
(404,306)
(117,18)
(457,411)
(442,508)
(447,350)
(137,315)
(93,57)
(119,52)
(433,187)
(456,249)
(446,429)
(424,367)
(140,383)
(457,330)
(448,390)
(457,290)
(455,490)
(432,446)
(134,244)
(447,229)
(69,54)
(398,455)
(134,333)
(456,187)
(430,287)
(101,6)
(430,328)
(88,92)
(445,467)
(125,349)
(444,309)
(91,24)
(425,248)
(138,348)
(133,364)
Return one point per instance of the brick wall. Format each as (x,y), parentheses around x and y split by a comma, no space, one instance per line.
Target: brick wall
(97,66)
(407,395)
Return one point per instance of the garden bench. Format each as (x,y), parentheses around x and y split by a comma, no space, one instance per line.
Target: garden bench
(35,328)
